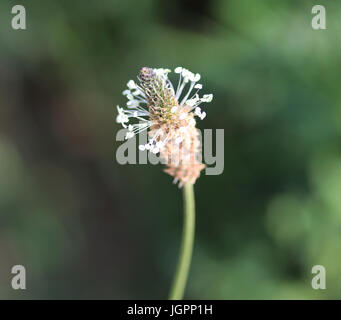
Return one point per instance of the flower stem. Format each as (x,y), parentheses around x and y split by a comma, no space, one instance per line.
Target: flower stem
(180,278)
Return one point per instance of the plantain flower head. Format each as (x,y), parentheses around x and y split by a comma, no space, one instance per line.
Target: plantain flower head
(170,116)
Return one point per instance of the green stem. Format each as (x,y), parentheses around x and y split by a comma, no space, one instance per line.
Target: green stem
(180,278)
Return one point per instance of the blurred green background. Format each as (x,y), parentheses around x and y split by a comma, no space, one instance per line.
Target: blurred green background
(87,228)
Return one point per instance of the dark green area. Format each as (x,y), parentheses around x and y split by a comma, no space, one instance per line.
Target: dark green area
(86,227)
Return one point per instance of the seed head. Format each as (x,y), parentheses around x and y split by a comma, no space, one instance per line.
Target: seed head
(170,119)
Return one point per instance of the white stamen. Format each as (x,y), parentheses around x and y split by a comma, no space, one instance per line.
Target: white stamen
(192,102)
(178,140)
(159,144)
(131,84)
(188,93)
(174,109)
(182,116)
(185,108)
(197,77)
(207,98)
(132,104)
(203,115)
(129,135)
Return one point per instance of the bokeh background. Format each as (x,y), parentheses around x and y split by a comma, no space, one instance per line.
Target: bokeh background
(87,228)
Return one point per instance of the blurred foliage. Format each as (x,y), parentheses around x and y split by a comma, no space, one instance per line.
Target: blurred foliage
(86,227)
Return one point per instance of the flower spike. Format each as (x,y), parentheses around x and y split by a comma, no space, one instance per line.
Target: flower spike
(169,116)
